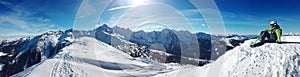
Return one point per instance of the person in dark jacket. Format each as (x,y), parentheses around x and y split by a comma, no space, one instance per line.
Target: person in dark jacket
(270,35)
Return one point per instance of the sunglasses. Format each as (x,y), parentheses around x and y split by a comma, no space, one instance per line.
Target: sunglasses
(272,24)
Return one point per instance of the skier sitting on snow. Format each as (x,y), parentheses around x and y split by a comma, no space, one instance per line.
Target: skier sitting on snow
(272,34)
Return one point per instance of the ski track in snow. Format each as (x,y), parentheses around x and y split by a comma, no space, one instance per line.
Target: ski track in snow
(67,66)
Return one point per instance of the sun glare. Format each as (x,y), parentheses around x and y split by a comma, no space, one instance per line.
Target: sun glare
(137,2)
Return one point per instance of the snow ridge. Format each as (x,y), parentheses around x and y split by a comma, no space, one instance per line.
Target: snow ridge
(268,60)
(90,57)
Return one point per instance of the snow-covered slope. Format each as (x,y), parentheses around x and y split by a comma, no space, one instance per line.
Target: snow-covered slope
(268,60)
(25,52)
(90,57)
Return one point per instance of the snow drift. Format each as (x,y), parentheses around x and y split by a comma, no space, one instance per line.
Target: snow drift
(269,60)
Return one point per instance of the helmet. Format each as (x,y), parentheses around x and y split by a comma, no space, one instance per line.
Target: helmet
(273,23)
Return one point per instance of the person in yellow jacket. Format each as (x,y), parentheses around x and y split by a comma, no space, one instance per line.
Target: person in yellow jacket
(270,35)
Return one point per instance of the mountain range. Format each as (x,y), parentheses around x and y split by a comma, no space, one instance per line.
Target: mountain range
(166,46)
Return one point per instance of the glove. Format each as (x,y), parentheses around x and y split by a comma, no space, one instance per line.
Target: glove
(262,32)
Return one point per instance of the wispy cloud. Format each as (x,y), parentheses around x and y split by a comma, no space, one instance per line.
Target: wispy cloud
(125,4)
(5,3)
(15,36)
(19,22)
(16,24)
(154,13)
(121,7)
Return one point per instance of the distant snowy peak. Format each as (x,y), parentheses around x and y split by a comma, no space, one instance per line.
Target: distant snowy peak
(172,41)
(203,35)
(292,34)
(104,27)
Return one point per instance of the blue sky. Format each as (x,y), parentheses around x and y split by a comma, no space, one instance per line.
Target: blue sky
(27,17)
(31,17)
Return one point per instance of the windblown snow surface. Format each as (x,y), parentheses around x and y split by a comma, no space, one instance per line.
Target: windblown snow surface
(92,58)
(88,57)
(268,60)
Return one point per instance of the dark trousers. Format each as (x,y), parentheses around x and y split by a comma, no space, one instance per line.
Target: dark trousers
(271,37)
(266,37)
